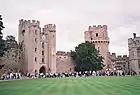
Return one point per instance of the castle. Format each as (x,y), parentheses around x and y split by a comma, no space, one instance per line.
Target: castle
(39,47)
(38,50)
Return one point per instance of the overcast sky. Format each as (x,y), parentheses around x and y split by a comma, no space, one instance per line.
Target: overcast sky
(72,18)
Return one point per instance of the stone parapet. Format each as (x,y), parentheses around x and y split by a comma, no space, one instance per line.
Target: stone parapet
(97,27)
(62,53)
(29,22)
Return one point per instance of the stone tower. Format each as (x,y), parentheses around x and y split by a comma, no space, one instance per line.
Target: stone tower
(50,30)
(37,47)
(98,35)
(134,53)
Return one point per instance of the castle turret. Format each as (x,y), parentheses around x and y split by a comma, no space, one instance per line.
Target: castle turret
(50,29)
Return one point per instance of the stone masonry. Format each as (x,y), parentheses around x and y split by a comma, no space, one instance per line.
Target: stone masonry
(38,47)
(98,35)
(134,53)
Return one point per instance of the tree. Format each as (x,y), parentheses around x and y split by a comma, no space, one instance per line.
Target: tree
(1,27)
(86,57)
(10,57)
(10,42)
(2,42)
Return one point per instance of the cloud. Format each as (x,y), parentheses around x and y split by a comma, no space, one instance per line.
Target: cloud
(73,17)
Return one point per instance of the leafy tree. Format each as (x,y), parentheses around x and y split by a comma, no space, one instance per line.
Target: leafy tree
(11,52)
(1,27)
(2,42)
(10,42)
(86,57)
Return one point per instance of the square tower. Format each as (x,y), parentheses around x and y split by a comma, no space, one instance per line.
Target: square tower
(134,54)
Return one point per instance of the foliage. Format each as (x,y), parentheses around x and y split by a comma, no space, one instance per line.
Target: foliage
(1,27)
(2,42)
(10,42)
(86,57)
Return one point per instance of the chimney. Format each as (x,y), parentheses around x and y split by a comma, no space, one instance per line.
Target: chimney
(134,35)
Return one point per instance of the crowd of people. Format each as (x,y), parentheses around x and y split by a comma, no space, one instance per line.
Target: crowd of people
(10,75)
(77,74)
(7,76)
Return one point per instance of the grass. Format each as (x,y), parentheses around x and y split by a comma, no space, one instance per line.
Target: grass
(73,86)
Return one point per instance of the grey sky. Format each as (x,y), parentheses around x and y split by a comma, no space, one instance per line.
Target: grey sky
(74,16)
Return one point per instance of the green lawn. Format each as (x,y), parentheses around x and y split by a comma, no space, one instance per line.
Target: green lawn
(73,86)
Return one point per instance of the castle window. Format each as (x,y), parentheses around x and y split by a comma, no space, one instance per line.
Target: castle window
(35,32)
(42,52)
(35,49)
(96,34)
(43,45)
(35,39)
(91,38)
(42,59)
(35,59)
(23,32)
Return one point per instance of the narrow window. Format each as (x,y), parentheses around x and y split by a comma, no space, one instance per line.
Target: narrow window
(35,49)
(96,34)
(42,52)
(23,32)
(35,59)
(43,45)
(36,40)
(35,32)
(42,59)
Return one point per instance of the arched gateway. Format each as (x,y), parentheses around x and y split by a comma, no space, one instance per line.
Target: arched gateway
(42,70)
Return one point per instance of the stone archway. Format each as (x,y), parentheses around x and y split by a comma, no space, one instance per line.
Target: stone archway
(42,70)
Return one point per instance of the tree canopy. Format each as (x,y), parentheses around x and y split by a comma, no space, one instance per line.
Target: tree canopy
(87,57)
(2,42)
(10,42)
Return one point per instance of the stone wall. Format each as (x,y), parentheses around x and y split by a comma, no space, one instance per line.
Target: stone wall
(120,62)
(64,62)
(10,60)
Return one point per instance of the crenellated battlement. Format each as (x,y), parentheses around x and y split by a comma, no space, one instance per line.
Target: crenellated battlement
(122,57)
(62,53)
(119,57)
(29,22)
(97,27)
(50,27)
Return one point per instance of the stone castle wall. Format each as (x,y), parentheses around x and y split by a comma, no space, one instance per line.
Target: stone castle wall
(64,62)
(120,62)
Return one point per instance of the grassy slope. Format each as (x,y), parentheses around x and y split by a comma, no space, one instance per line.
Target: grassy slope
(73,86)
